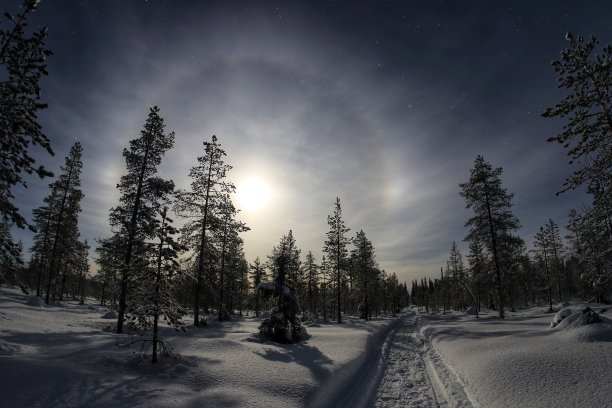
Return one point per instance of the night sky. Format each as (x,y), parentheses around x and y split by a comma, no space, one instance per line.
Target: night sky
(384,104)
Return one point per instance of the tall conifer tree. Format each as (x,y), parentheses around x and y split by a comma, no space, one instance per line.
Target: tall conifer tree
(140,191)
(491,205)
(335,248)
(199,205)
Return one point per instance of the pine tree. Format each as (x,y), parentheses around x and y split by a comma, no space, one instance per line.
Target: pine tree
(22,65)
(325,274)
(228,236)
(590,247)
(199,206)
(493,218)
(477,261)
(258,275)
(63,205)
(109,264)
(543,248)
(365,265)
(588,130)
(312,272)
(335,248)
(140,191)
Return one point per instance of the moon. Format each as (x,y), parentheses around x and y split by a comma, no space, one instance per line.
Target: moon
(253,194)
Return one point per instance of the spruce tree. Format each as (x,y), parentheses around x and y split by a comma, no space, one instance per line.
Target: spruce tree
(140,191)
(283,325)
(335,248)
(491,205)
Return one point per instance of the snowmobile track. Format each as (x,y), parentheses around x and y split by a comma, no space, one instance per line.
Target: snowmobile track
(398,370)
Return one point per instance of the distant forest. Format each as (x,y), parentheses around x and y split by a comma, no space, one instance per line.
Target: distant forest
(149,268)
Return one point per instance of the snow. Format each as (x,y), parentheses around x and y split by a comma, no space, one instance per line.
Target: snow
(74,362)
(62,356)
(521,361)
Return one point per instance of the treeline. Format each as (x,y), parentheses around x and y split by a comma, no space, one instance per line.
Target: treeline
(500,271)
(148,267)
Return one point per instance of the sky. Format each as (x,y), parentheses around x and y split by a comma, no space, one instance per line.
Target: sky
(384,104)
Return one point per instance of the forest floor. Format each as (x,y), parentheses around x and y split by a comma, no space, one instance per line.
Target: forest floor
(67,356)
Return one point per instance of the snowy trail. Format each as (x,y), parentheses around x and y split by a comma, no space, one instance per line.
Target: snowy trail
(406,381)
(399,370)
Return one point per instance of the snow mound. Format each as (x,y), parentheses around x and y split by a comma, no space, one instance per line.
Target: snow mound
(561,314)
(471,311)
(35,301)
(573,320)
(111,314)
(586,326)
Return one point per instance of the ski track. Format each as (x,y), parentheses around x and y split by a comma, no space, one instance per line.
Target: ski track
(413,375)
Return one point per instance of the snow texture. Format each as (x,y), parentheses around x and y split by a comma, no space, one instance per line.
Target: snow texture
(414,360)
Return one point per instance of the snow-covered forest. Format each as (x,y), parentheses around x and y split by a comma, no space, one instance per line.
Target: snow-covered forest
(168,310)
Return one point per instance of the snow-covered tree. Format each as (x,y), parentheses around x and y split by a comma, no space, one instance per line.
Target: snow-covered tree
(22,65)
(153,294)
(10,259)
(283,325)
(140,191)
(587,133)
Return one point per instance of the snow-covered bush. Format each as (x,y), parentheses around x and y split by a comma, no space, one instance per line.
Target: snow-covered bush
(576,319)
(283,325)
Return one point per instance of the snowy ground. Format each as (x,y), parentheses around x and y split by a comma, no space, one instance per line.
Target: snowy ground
(61,356)
(521,361)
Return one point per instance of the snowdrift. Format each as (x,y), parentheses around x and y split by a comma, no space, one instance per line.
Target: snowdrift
(522,362)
